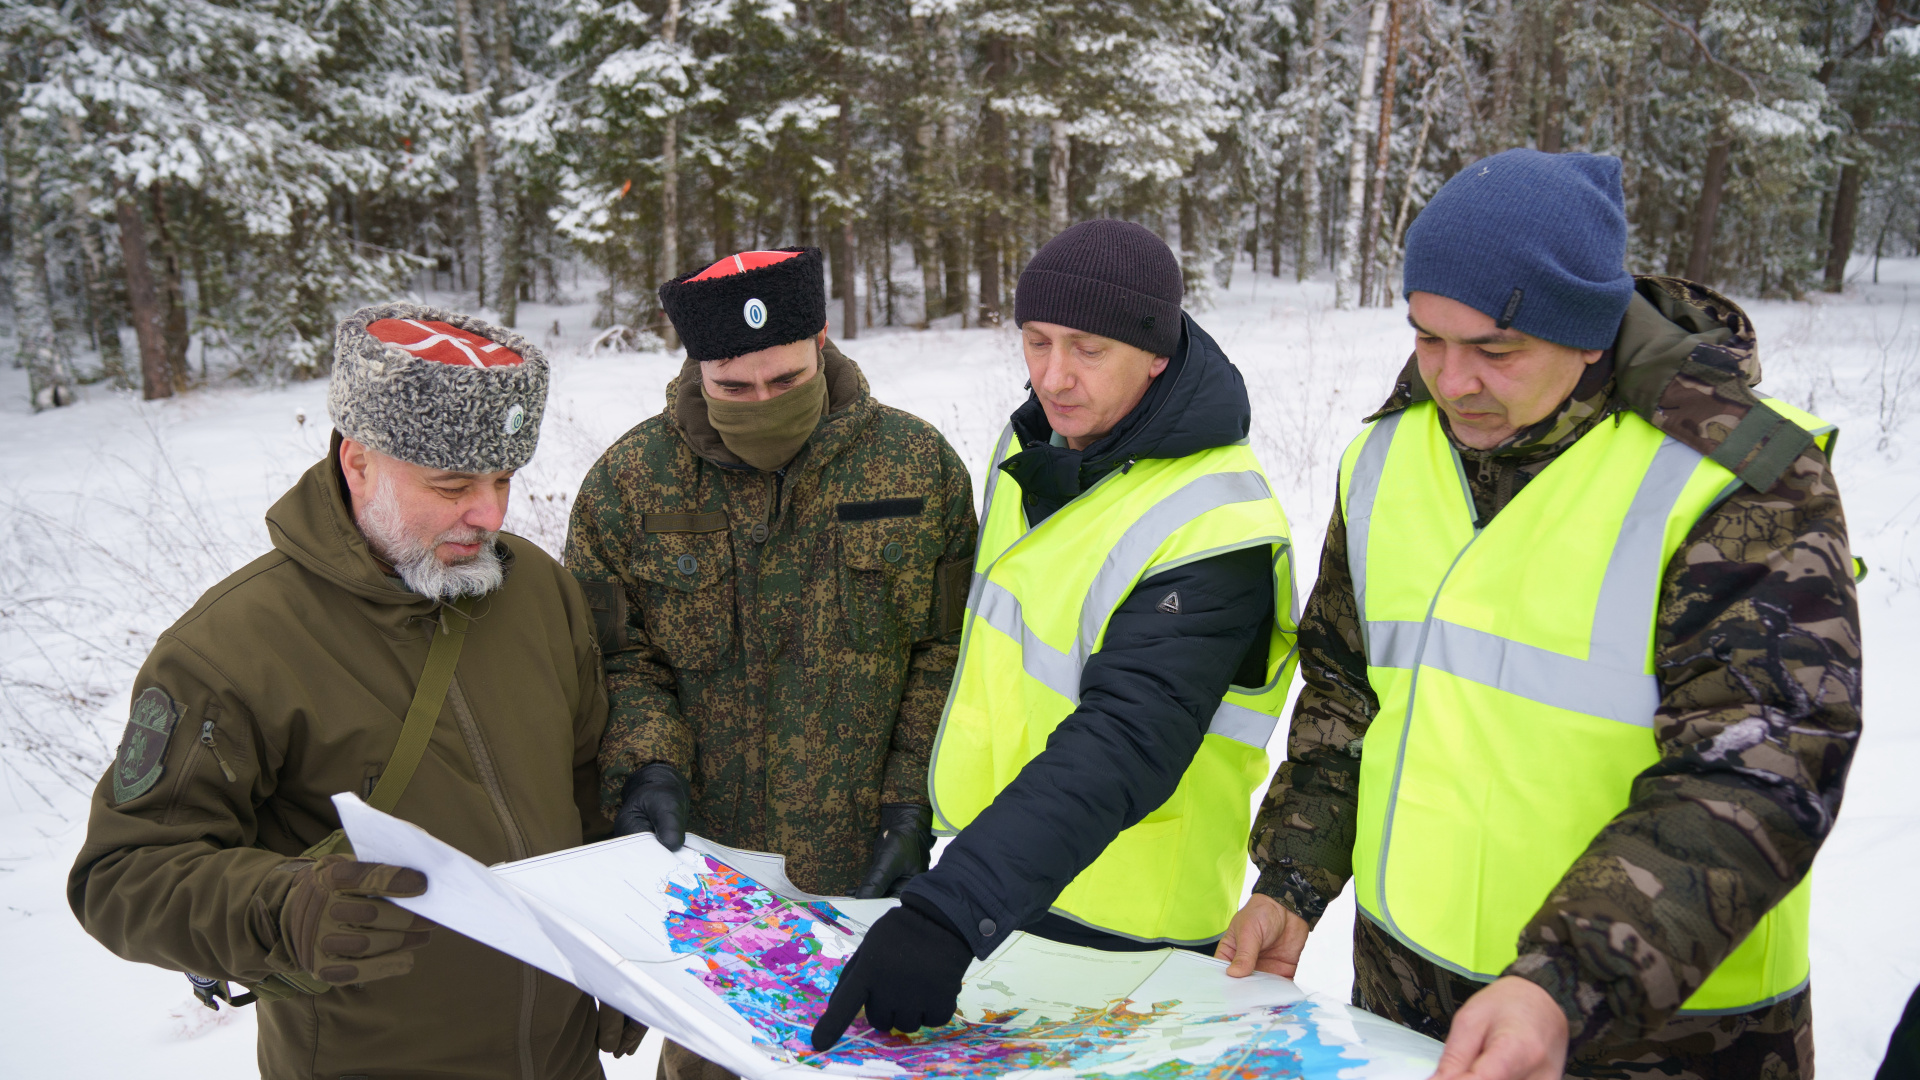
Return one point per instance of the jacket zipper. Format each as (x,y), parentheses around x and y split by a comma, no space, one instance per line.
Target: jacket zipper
(206,740)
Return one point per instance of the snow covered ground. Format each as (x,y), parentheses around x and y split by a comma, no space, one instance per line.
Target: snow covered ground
(115,514)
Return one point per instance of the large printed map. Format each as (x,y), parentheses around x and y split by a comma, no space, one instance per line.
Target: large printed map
(718,950)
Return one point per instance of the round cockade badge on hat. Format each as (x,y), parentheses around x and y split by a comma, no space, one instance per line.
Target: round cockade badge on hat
(747,302)
(442,342)
(516,419)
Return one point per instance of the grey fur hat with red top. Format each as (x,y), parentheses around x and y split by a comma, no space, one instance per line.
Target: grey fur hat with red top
(437,388)
(747,302)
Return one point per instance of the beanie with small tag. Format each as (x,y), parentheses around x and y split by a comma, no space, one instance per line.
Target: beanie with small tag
(1106,277)
(1536,241)
(437,388)
(749,301)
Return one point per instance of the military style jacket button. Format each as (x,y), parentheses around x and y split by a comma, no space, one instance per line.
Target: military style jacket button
(759,533)
(987,927)
(688,565)
(893,552)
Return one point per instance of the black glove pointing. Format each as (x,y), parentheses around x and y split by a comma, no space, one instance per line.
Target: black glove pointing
(906,836)
(906,974)
(654,800)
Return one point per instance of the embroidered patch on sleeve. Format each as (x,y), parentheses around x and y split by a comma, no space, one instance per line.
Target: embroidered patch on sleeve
(143,749)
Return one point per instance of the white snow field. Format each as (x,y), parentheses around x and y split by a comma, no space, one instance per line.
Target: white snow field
(115,515)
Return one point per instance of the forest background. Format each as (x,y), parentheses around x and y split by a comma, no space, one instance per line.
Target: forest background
(196,190)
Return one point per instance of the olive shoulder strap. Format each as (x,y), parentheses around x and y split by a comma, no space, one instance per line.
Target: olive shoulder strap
(415,733)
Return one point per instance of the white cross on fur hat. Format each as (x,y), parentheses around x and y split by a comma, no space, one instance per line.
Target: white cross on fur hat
(437,388)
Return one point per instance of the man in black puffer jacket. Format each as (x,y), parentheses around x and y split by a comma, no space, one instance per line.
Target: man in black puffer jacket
(1122,616)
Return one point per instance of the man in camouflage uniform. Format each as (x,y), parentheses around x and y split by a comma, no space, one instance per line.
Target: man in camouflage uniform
(780,566)
(1757,656)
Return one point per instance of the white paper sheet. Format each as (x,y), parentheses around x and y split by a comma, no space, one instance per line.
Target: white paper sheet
(718,950)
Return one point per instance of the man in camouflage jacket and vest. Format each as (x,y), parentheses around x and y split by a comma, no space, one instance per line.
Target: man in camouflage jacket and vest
(288,683)
(1756,654)
(779,563)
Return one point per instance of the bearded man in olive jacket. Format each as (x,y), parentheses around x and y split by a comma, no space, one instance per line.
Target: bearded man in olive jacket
(288,683)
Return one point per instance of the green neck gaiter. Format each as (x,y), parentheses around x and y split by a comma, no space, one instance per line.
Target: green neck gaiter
(767,434)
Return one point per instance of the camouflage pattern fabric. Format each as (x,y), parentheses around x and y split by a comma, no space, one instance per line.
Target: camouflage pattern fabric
(1773,1043)
(781,639)
(1758,654)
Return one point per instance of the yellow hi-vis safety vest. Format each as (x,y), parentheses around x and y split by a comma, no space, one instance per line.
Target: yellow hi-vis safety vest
(1039,607)
(1514,670)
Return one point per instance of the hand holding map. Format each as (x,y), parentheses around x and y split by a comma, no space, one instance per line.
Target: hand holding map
(719,951)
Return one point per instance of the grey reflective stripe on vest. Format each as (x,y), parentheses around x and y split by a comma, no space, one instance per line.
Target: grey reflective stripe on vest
(1363,487)
(1126,561)
(1241,724)
(1054,669)
(1610,682)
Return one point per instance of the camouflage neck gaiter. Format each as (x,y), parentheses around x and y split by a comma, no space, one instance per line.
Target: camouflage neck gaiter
(767,434)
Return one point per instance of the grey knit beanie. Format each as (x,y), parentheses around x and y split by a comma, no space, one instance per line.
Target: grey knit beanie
(437,388)
(1111,278)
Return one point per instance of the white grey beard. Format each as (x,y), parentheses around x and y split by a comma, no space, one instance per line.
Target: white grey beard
(414,560)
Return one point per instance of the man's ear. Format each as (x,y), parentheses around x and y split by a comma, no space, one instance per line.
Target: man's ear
(820,339)
(1159,365)
(355,461)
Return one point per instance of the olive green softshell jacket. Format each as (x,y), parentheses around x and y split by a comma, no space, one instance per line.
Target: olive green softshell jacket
(784,640)
(303,663)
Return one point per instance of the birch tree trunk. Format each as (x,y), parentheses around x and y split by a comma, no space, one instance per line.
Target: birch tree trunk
(1059,167)
(49,376)
(1376,199)
(486,211)
(1345,275)
(1307,254)
(506,202)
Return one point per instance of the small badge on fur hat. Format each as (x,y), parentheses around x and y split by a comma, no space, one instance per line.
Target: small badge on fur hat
(755,313)
(516,419)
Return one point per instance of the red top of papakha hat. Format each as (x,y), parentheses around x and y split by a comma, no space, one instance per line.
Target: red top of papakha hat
(443,343)
(743,262)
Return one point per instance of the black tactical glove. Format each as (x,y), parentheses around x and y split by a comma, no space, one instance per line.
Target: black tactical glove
(339,928)
(654,800)
(906,836)
(906,974)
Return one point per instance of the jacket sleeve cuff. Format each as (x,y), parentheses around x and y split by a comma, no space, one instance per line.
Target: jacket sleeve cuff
(1553,968)
(983,927)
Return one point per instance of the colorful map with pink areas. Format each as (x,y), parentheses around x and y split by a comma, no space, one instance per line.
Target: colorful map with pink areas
(775,961)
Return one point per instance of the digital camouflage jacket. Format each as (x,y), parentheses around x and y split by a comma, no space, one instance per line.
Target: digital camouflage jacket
(1758,657)
(785,640)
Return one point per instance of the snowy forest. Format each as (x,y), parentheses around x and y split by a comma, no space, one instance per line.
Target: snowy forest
(196,190)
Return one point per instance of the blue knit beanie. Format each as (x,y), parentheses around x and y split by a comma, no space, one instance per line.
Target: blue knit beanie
(1537,241)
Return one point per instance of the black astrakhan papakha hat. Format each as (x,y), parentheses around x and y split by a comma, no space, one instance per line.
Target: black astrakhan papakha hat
(747,302)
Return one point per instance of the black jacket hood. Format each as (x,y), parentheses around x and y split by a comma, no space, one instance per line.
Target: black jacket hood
(1199,402)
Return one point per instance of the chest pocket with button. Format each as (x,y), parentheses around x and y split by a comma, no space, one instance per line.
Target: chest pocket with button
(685,564)
(887,569)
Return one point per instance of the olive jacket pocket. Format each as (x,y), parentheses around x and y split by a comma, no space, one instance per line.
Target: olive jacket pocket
(688,606)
